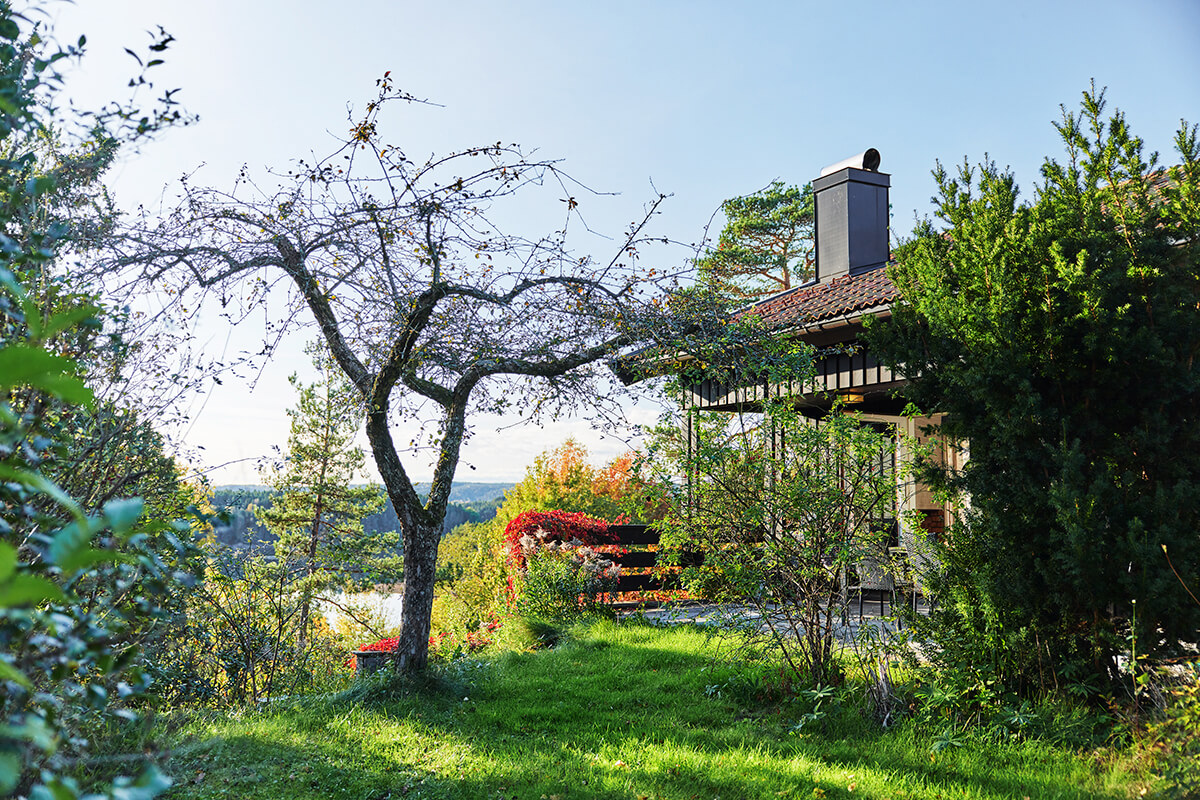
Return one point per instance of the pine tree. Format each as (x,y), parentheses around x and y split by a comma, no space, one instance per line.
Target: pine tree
(316,514)
(766,246)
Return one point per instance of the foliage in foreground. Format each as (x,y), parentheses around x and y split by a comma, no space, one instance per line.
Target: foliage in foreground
(1176,737)
(784,510)
(1059,336)
(81,578)
(614,711)
(74,587)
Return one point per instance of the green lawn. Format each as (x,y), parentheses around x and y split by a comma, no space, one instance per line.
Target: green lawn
(620,711)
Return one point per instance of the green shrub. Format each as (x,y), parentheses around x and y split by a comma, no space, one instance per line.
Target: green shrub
(779,529)
(473,577)
(520,634)
(239,640)
(564,584)
(1177,739)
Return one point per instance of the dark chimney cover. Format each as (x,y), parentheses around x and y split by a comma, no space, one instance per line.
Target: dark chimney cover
(868,159)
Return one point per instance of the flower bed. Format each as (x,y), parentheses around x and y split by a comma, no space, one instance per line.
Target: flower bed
(440,644)
(564,563)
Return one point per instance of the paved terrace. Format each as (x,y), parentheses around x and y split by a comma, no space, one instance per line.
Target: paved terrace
(740,616)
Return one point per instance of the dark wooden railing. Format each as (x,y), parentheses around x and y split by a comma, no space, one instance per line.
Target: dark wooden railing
(638,573)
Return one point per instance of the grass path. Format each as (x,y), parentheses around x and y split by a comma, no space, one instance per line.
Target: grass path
(624,711)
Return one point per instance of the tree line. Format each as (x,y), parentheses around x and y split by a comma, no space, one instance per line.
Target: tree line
(239,528)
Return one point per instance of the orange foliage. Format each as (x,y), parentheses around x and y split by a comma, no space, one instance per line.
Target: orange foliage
(567,461)
(613,478)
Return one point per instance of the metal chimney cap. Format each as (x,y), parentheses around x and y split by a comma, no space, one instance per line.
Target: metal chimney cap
(867,159)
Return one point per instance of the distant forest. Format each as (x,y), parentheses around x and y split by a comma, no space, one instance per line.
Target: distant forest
(469,502)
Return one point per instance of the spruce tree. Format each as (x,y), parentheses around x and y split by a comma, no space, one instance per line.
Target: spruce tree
(1059,334)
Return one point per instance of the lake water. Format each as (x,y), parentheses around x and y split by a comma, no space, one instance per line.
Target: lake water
(382,609)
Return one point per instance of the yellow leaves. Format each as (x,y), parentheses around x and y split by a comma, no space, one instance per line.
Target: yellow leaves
(364,132)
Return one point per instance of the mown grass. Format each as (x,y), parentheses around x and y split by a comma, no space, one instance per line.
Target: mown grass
(615,711)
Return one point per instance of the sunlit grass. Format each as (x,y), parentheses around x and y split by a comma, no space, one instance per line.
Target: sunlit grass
(614,711)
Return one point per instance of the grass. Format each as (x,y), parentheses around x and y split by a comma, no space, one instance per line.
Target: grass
(615,711)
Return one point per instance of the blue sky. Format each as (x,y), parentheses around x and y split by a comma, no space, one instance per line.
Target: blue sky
(702,100)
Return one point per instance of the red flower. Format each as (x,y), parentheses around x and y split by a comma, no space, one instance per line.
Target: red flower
(382,646)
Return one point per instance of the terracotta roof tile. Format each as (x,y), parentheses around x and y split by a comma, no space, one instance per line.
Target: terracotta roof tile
(814,303)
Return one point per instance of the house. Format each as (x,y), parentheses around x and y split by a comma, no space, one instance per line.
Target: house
(850,285)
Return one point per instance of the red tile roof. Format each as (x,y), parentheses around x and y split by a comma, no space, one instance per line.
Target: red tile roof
(845,294)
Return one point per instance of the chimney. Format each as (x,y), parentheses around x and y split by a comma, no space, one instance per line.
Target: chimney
(851,216)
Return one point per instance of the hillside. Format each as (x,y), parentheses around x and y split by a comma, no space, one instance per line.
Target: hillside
(469,502)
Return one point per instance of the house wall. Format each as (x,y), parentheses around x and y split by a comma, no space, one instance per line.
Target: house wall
(845,370)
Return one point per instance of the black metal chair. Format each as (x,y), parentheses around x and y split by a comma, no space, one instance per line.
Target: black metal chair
(874,577)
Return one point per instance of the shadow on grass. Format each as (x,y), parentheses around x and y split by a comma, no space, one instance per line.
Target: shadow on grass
(615,713)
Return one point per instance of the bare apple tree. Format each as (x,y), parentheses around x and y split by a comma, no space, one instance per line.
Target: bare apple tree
(429,308)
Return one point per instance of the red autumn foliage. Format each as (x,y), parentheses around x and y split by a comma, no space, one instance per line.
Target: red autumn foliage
(559,526)
(439,642)
(382,646)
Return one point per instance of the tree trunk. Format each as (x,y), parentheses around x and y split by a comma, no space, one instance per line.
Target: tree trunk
(310,567)
(422,531)
(420,524)
(420,563)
